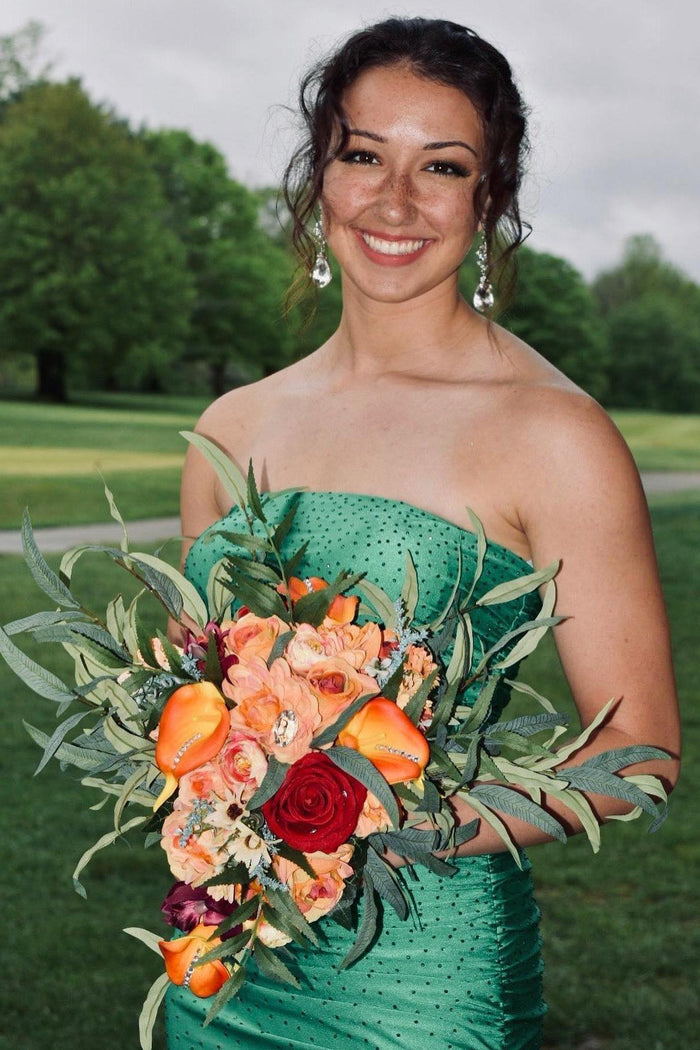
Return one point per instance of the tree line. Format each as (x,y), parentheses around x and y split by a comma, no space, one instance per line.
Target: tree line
(131,259)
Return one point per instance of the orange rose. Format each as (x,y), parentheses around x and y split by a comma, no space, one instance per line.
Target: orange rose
(358,645)
(335,683)
(418,665)
(181,961)
(373,817)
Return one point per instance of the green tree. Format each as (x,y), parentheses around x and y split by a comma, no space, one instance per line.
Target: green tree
(20,60)
(239,272)
(92,282)
(554,311)
(652,312)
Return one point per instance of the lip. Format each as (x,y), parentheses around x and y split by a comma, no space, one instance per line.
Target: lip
(390,260)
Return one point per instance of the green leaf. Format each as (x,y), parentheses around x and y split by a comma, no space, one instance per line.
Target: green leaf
(387,882)
(41,619)
(161,584)
(529,642)
(409,841)
(506,800)
(328,735)
(57,736)
(282,902)
(231,946)
(281,643)
(435,624)
(409,591)
(260,598)
(149,1010)
(530,625)
(272,781)
(512,589)
(253,495)
(44,576)
(603,783)
(497,825)
(311,608)
(368,925)
(105,840)
(114,511)
(460,659)
(480,553)
(291,565)
(282,530)
(146,937)
(528,725)
(192,604)
(380,602)
(81,757)
(36,677)
(619,757)
(465,832)
(359,767)
(414,707)
(254,544)
(230,476)
(481,709)
(272,966)
(254,570)
(100,637)
(226,992)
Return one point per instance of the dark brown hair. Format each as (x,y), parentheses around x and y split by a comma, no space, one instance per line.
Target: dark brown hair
(441,51)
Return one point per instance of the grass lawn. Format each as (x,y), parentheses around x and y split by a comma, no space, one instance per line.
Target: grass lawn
(621,937)
(51,455)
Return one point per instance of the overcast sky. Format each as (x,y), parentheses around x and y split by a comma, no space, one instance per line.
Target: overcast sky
(613,87)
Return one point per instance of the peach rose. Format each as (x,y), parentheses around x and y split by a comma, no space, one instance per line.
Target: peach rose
(358,645)
(197,856)
(314,897)
(242,765)
(253,636)
(305,649)
(418,664)
(335,684)
(273,706)
(373,817)
(202,782)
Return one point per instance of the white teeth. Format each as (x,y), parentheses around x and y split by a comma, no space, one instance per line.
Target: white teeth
(391,247)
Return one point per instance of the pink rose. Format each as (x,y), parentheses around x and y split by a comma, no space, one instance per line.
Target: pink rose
(242,764)
(315,897)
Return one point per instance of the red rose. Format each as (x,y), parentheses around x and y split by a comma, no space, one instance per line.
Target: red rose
(317,806)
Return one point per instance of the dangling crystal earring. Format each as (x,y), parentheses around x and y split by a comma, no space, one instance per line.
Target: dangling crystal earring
(321,274)
(483,296)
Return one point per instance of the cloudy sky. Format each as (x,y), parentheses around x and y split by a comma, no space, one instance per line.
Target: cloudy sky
(613,87)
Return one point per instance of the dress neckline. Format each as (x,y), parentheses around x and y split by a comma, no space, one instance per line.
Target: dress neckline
(367,497)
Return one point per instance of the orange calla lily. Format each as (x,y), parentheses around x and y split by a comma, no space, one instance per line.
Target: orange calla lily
(192,729)
(180,958)
(341,609)
(388,738)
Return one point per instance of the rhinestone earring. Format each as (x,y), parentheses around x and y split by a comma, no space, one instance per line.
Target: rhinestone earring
(483,296)
(321,274)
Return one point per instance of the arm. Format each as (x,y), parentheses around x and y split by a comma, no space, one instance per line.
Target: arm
(583,503)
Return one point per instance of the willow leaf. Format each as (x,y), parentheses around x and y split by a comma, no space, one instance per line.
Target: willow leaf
(28,624)
(415,706)
(387,883)
(409,590)
(380,602)
(192,604)
(56,738)
(44,576)
(102,843)
(328,735)
(506,800)
(512,589)
(480,553)
(529,642)
(146,937)
(231,477)
(272,781)
(361,769)
(114,511)
(149,1010)
(368,925)
(498,826)
(36,677)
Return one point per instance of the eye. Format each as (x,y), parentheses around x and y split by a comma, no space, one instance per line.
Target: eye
(445,167)
(359,156)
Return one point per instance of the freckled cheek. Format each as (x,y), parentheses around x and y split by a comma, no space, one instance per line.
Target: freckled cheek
(344,198)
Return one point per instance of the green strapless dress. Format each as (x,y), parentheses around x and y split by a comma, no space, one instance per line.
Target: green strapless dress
(467,973)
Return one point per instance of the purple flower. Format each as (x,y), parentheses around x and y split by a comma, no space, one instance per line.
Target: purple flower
(186,906)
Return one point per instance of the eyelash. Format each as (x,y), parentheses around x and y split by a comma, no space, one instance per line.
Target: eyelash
(452,170)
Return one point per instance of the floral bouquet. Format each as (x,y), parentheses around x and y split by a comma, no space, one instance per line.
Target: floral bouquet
(305,729)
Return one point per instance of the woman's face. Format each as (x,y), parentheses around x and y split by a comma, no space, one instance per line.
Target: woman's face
(398,202)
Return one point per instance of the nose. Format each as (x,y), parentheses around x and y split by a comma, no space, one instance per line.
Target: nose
(396,204)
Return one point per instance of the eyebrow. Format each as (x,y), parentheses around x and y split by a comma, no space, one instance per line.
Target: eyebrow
(428,146)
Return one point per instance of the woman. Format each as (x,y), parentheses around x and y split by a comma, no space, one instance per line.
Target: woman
(416,408)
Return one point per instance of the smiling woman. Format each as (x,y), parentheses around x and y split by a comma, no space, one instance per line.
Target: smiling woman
(418,416)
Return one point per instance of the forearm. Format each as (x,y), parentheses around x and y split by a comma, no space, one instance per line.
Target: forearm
(524,834)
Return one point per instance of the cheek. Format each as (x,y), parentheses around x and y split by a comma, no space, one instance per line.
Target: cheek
(345,194)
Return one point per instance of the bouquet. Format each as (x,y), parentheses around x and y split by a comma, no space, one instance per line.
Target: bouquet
(303,730)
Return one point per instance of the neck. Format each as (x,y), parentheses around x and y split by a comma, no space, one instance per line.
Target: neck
(417,337)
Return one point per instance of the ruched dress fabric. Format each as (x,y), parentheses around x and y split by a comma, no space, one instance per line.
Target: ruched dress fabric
(462,973)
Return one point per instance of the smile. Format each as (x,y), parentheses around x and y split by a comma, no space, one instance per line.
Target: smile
(377,244)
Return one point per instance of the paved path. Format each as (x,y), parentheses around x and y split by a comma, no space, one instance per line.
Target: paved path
(53,540)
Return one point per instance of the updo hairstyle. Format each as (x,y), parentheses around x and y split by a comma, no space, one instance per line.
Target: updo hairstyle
(440,51)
